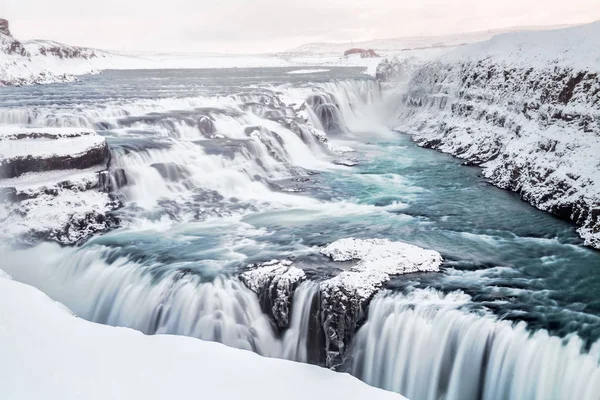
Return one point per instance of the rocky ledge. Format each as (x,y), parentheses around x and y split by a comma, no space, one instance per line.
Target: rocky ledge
(344,298)
(526,108)
(55,185)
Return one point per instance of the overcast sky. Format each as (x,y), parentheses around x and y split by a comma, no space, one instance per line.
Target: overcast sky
(252,26)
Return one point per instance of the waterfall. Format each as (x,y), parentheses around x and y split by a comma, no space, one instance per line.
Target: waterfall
(185,156)
(301,340)
(426,346)
(102,286)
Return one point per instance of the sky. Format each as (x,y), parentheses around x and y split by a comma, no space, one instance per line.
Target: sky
(256,26)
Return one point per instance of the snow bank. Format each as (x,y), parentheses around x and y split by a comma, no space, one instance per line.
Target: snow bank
(525,107)
(49,353)
(574,47)
(307,71)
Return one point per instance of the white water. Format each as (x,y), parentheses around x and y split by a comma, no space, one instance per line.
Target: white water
(303,323)
(426,348)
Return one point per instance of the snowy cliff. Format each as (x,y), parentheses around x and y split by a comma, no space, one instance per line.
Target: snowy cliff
(38,61)
(526,107)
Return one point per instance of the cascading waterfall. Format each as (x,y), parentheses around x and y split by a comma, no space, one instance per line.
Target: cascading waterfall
(424,346)
(301,338)
(103,287)
(226,150)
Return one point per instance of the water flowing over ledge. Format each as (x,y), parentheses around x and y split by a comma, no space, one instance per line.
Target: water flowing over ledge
(216,182)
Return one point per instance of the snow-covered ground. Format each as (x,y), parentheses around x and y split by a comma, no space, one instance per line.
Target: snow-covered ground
(525,106)
(50,184)
(48,353)
(44,61)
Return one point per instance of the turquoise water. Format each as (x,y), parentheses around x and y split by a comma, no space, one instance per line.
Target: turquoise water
(182,243)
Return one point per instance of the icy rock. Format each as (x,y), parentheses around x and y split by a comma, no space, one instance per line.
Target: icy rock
(274,282)
(383,255)
(55,185)
(346,163)
(39,150)
(4,30)
(345,298)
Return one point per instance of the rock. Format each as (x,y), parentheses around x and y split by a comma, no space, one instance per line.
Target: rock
(4,30)
(206,126)
(30,150)
(274,282)
(524,108)
(346,163)
(345,298)
(112,180)
(327,110)
(364,53)
(341,302)
(55,185)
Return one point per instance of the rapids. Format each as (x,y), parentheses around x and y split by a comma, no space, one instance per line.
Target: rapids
(229,167)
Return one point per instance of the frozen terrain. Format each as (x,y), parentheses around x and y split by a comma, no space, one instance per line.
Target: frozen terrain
(49,353)
(45,61)
(526,107)
(54,184)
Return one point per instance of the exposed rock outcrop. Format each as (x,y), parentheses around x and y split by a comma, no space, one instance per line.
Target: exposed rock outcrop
(274,282)
(55,185)
(364,53)
(4,29)
(344,299)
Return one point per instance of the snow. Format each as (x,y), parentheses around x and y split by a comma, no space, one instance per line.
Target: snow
(307,71)
(575,47)
(377,260)
(67,216)
(34,181)
(262,274)
(63,203)
(402,43)
(72,142)
(346,163)
(49,353)
(383,254)
(525,107)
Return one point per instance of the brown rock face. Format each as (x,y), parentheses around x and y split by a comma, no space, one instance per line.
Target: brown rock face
(364,53)
(4,27)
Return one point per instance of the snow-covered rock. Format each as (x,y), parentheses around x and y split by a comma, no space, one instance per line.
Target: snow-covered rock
(342,300)
(54,185)
(393,258)
(345,297)
(274,282)
(526,107)
(346,162)
(49,353)
(24,150)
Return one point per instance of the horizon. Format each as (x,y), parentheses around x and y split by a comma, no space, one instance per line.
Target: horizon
(264,26)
